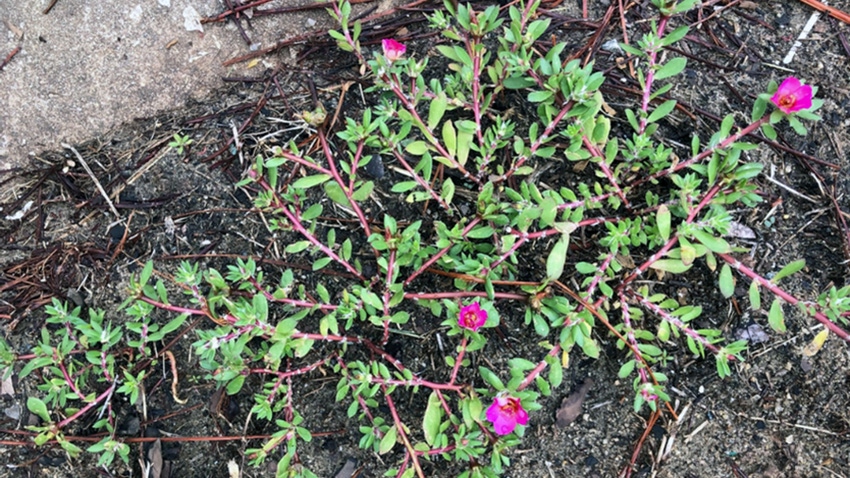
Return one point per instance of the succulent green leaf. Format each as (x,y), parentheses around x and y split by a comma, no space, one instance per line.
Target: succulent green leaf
(448,190)
(404,186)
(388,441)
(481,232)
(727,281)
(417,148)
(755,296)
(590,348)
(297,247)
(776,316)
(432,418)
(789,269)
(363,192)
(662,218)
(235,385)
(491,378)
(465,132)
(769,131)
(714,244)
(310,181)
(146,273)
(437,110)
(557,258)
(759,107)
(661,111)
(556,374)
(312,212)
(35,405)
(448,52)
(626,369)
(174,324)
(539,96)
(671,68)
(450,137)
(675,36)
(675,266)
(336,194)
(320,263)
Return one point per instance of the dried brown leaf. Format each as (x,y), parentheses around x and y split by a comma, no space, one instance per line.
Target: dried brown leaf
(348,469)
(570,407)
(155,459)
(6,386)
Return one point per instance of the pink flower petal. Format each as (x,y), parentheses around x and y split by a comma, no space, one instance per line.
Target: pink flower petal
(505,414)
(792,96)
(393,50)
(472,317)
(522,417)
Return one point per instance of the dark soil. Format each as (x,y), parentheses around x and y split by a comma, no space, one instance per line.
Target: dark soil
(779,415)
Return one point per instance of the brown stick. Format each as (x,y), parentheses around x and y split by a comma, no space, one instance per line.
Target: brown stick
(9,57)
(315,33)
(833,12)
(174,379)
(222,16)
(49,7)
(312,6)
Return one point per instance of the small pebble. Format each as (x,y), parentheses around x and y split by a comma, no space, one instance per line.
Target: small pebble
(612,46)
(13,412)
(136,14)
(806,365)
(192,20)
(375,167)
(116,233)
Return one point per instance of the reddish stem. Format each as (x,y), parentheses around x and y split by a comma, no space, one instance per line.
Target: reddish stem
(705,154)
(88,407)
(440,254)
(650,76)
(458,360)
(773,288)
(400,428)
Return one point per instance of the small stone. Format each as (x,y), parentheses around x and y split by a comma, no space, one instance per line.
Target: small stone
(192,20)
(13,412)
(806,365)
(136,14)
(116,233)
(736,229)
(375,167)
(753,333)
(612,46)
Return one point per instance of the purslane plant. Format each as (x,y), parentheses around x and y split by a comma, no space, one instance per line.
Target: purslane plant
(476,171)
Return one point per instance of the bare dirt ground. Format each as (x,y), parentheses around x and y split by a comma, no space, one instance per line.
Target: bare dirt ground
(780,415)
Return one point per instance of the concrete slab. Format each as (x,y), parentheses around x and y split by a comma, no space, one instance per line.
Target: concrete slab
(86,67)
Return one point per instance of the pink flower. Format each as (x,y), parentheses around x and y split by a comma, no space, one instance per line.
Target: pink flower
(792,96)
(393,50)
(505,414)
(472,317)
